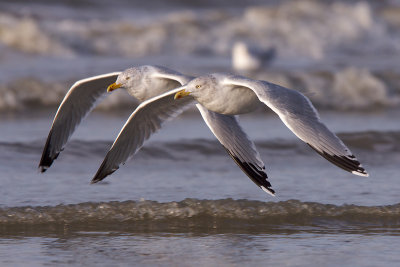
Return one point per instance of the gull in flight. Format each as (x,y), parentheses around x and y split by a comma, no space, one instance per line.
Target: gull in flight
(223,96)
(151,85)
(233,94)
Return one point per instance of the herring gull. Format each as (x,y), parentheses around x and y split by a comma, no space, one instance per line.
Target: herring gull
(233,94)
(247,58)
(229,95)
(148,84)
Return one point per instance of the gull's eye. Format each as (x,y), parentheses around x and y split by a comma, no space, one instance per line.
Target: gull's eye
(127,78)
(198,86)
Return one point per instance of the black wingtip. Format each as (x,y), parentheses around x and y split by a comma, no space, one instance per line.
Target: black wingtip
(259,177)
(43,169)
(268,190)
(46,160)
(100,175)
(346,162)
(102,172)
(97,178)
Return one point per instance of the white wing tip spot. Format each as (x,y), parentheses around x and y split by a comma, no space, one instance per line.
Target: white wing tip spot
(360,173)
(266,190)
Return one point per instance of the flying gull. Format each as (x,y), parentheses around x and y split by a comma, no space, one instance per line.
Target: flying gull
(229,95)
(148,84)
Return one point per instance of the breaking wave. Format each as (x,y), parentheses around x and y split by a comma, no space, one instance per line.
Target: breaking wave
(301,31)
(33,93)
(224,214)
(296,29)
(347,89)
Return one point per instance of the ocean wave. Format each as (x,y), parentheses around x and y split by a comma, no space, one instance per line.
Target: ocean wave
(369,141)
(366,38)
(295,28)
(223,214)
(347,89)
(26,35)
(31,93)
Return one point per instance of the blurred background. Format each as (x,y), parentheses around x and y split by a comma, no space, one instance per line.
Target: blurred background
(343,55)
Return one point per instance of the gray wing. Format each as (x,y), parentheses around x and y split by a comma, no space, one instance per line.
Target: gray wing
(144,121)
(299,115)
(236,142)
(77,103)
(165,73)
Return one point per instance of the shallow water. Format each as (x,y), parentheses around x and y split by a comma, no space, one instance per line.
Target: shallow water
(191,249)
(185,160)
(181,200)
(182,195)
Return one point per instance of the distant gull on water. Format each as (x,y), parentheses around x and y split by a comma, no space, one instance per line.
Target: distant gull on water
(247,58)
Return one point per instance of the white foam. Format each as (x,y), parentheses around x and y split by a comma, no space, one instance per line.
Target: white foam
(359,88)
(25,34)
(348,89)
(313,32)
(298,29)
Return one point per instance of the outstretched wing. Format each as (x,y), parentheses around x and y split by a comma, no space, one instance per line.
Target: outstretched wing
(143,122)
(165,73)
(78,102)
(236,142)
(299,115)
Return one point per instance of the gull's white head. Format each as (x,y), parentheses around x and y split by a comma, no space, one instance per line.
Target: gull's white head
(218,93)
(199,86)
(127,79)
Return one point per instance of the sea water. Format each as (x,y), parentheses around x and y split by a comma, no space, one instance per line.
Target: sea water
(181,200)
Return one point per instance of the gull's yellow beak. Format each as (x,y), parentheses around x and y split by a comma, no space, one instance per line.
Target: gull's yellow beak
(113,86)
(181,94)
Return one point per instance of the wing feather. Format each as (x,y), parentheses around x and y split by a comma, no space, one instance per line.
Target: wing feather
(143,122)
(238,145)
(299,115)
(77,103)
